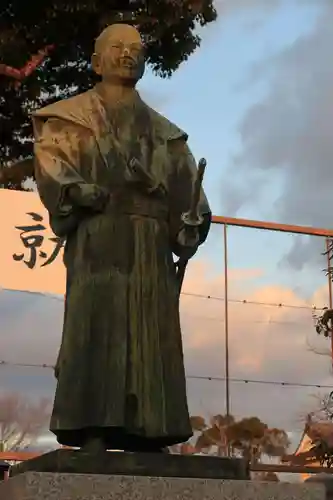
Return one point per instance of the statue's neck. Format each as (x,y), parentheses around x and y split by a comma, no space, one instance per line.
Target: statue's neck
(114,94)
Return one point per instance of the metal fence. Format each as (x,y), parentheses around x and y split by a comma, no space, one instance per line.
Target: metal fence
(234,306)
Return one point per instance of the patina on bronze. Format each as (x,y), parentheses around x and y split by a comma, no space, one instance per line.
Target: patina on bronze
(116,177)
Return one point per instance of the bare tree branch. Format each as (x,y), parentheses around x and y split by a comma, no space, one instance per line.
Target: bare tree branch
(21,420)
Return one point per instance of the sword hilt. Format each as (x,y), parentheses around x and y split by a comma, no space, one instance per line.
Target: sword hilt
(191,221)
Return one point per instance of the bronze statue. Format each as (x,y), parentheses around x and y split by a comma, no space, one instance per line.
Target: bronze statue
(116,177)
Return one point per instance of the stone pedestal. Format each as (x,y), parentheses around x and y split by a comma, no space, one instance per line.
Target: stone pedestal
(135,464)
(58,486)
(78,475)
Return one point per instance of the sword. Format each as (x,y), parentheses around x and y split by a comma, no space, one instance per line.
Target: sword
(191,219)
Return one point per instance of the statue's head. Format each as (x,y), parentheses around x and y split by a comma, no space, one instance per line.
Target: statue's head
(119,55)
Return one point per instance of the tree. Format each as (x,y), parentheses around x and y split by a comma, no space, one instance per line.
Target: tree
(322,409)
(21,420)
(214,434)
(249,438)
(45,50)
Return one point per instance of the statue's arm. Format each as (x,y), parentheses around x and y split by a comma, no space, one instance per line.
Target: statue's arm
(56,153)
(182,178)
(62,189)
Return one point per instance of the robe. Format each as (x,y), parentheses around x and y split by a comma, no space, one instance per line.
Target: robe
(120,369)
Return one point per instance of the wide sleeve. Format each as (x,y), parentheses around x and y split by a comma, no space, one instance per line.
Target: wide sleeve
(57,160)
(182,179)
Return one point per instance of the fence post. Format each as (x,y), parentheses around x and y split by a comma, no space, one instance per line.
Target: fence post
(226,325)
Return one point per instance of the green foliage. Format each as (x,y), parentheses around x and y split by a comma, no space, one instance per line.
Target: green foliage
(71,26)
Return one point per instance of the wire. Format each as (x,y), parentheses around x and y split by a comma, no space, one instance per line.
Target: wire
(197,377)
(253,302)
(264,382)
(25,365)
(199,296)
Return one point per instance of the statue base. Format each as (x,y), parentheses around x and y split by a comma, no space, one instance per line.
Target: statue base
(135,464)
(56,486)
(79,475)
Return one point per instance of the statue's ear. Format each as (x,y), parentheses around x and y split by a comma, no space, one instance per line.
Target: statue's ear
(96,64)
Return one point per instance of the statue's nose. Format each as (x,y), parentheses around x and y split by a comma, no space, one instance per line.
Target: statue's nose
(126,51)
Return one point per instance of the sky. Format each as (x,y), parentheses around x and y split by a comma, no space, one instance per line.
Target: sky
(213,97)
(255,100)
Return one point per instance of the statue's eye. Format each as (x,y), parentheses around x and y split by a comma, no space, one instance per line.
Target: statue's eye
(135,50)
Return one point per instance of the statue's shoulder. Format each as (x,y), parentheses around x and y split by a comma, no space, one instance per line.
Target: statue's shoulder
(165,127)
(76,109)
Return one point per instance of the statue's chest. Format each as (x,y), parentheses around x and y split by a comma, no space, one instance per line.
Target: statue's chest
(122,137)
(131,134)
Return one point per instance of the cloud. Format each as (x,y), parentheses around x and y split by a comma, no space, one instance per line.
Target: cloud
(287,136)
(266,343)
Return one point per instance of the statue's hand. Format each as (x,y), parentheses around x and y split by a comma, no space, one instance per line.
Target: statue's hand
(89,196)
(187,242)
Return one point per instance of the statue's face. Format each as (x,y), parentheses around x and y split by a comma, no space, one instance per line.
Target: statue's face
(119,54)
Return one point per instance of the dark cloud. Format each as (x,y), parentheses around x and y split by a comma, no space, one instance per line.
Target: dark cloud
(32,382)
(12,301)
(30,327)
(266,343)
(287,136)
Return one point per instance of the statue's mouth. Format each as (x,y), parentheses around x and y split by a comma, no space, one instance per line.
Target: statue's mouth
(127,63)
